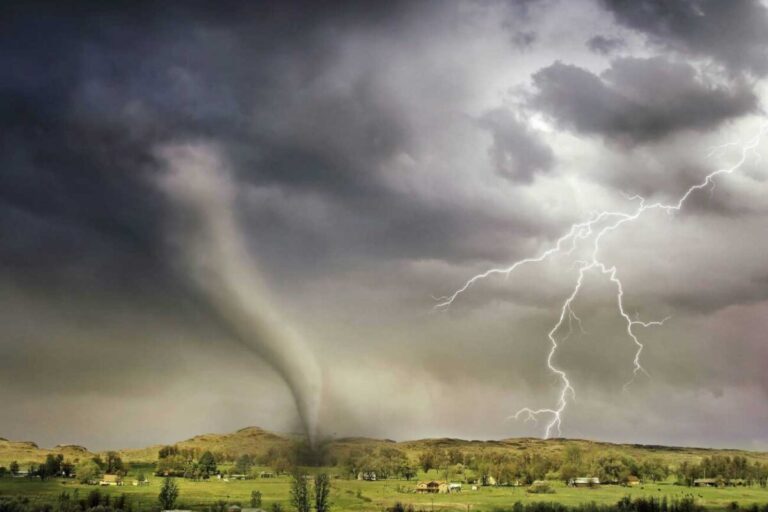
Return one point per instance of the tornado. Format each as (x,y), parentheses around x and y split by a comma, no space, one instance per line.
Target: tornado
(212,246)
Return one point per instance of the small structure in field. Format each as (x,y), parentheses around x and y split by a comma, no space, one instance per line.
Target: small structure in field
(707,482)
(111,480)
(266,474)
(633,481)
(369,476)
(432,487)
(584,481)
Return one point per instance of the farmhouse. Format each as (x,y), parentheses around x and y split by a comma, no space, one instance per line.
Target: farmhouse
(707,482)
(633,481)
(584,481)
(432,487)
(111,480)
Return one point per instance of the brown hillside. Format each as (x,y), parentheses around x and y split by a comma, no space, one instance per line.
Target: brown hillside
(257,441)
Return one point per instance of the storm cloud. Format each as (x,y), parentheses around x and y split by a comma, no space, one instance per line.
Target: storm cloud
(731,33)
(637,100)
(378,155)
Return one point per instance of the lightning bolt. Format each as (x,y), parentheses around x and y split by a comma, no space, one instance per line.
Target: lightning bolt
(592,232)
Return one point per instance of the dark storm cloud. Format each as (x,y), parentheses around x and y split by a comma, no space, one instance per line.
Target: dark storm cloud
(637,100)
(380,155)
(605,45)
(83,110)
(517,153)
(731,32)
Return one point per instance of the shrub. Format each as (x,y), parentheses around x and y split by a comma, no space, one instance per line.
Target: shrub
(540,488)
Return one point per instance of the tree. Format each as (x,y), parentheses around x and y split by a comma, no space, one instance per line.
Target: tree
(244,464)
(255,499)
(172,465)
(3,471)
(14,467)
(87,471)
(167,451)
(573,455)
(427,461)
(277,507)
(299,492)
(407,472)
(168,494)
(207,465)
(52,466)
(569,471)
(114,464)
(322,490)
(67,468)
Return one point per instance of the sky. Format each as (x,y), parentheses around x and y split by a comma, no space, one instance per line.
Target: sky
(210,213)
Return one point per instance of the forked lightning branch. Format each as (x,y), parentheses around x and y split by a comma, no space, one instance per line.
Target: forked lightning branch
(589,235)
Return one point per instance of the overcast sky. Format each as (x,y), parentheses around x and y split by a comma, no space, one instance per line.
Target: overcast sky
(377,155)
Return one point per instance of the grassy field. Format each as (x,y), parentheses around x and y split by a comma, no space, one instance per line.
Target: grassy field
(353,495)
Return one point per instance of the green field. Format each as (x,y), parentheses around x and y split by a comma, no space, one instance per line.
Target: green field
(353,495)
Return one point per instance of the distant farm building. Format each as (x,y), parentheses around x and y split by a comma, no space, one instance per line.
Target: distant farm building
(633,481)
(432,487)
(266,474)
(111,480)
(707,482)
(584,481)
(369,476)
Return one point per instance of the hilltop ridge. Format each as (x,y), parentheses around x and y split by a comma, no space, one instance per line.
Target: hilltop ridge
(257,442)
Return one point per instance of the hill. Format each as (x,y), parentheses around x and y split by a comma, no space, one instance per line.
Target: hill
(26,452)
(257,442)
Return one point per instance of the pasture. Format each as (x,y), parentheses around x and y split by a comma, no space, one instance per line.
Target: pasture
(354,495)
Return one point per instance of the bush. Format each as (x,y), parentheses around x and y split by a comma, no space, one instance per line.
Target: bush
(255,499)
(541,488)
(168,494)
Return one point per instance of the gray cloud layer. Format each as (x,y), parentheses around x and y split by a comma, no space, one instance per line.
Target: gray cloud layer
(381,155)
(732,33)
(637,100)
